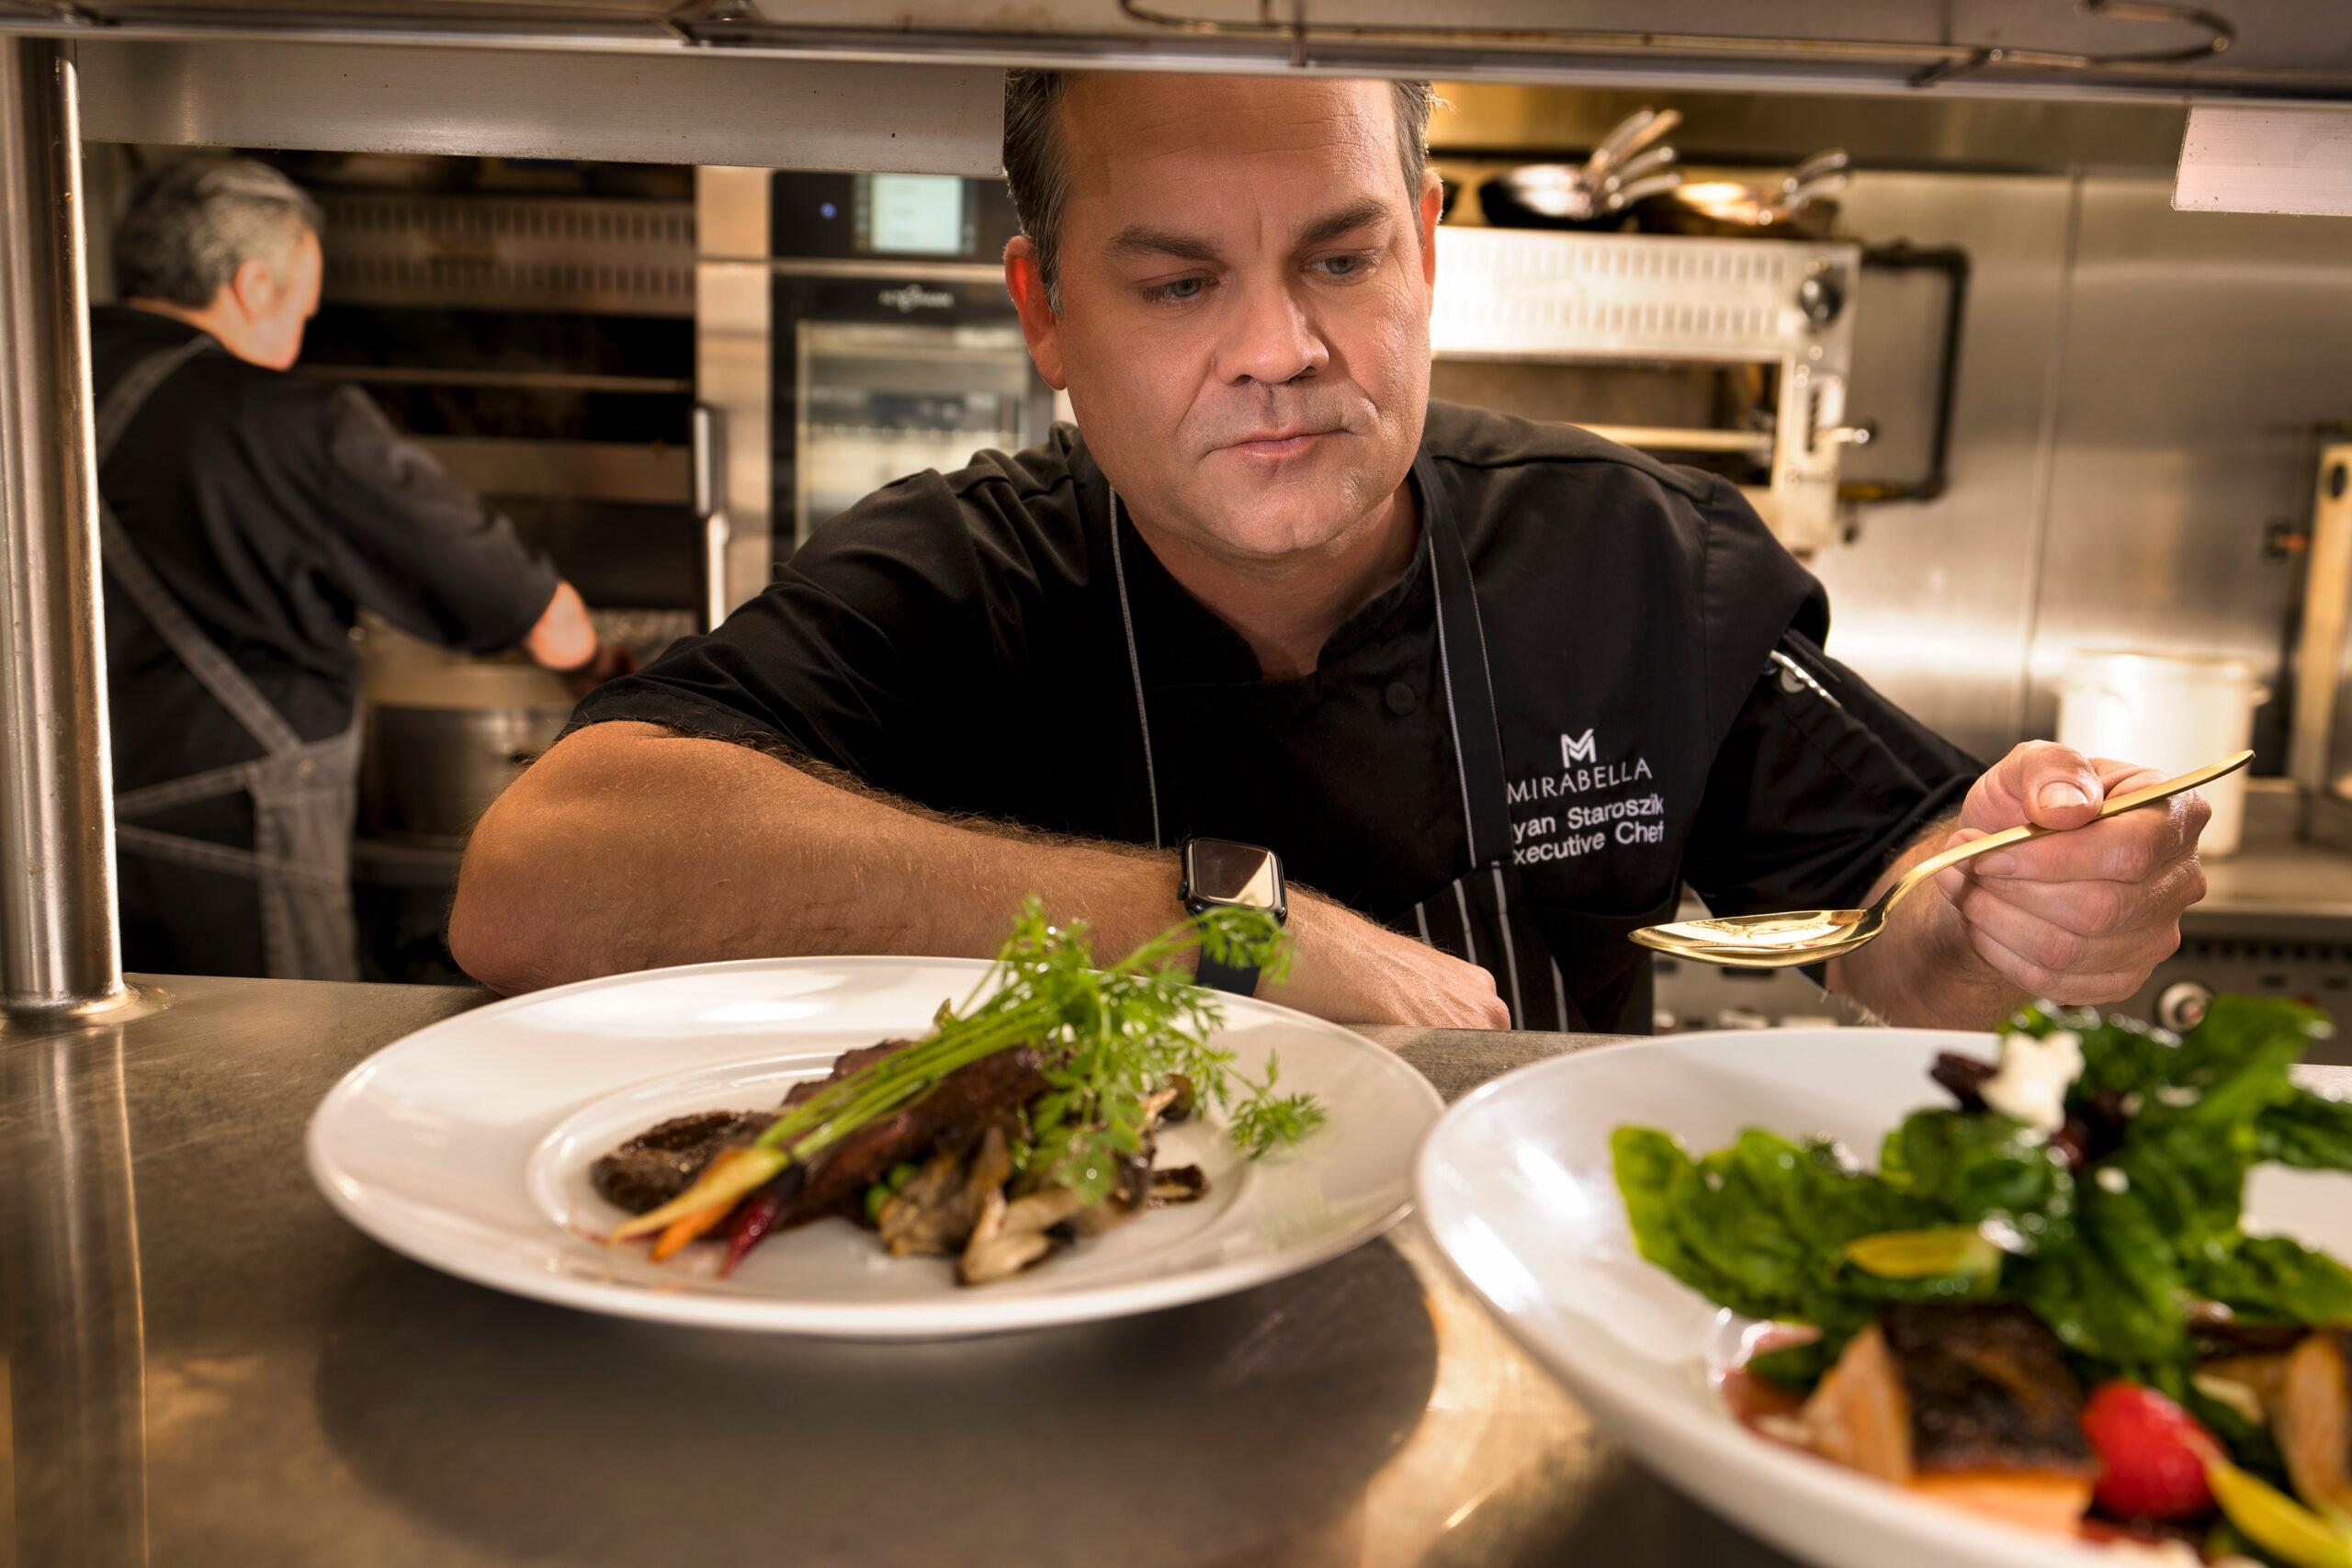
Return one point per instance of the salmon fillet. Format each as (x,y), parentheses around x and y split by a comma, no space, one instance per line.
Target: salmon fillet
(1973,1406)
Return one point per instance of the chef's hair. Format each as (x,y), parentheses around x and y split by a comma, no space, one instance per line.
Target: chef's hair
(192,223)
(1038,175)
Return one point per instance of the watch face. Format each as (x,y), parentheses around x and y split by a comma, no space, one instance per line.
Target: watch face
(1220,871)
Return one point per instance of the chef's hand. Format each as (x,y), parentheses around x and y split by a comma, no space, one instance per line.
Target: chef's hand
(1346,968)
(610,660)
(2077,917)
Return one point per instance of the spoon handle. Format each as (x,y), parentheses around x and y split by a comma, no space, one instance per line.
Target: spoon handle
(2114,805)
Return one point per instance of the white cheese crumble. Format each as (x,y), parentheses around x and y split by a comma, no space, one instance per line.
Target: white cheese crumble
(2033,1077)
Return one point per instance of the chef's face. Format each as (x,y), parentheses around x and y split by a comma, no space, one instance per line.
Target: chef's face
(1243,320)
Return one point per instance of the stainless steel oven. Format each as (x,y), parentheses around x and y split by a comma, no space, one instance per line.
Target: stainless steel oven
(1730,355)
(853,329)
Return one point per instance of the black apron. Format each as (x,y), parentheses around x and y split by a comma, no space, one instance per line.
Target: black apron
(304,793)
(1483,915)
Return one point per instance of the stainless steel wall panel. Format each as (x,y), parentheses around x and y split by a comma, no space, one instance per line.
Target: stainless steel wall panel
(2201,350)
(1932,601)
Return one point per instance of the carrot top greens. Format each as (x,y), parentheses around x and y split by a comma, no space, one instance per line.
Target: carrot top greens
(1106,1038)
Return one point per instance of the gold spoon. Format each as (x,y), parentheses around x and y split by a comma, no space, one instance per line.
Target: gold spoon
(1808,936)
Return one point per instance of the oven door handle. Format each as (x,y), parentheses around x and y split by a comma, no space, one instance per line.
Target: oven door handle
(710,511)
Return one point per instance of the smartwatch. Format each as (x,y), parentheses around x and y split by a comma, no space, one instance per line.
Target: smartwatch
(1220,873)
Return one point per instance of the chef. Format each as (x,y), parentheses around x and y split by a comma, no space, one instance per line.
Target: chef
(247,516)
(1469,698)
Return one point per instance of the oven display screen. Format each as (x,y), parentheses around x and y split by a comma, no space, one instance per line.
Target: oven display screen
(916,215)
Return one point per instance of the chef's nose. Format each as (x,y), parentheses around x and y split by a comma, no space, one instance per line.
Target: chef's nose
(1273,339)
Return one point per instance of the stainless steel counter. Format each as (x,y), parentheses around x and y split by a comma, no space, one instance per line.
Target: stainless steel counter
(2271,883)
(206,1365)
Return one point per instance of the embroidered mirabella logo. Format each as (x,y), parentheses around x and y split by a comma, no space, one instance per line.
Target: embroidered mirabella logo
(1578,825)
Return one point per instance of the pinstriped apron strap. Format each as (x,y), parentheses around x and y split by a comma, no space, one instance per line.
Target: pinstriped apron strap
(227,858)
(210,784)
(212,668)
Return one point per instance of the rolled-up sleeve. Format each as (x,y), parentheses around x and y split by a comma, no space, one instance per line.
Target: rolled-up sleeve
(410,542)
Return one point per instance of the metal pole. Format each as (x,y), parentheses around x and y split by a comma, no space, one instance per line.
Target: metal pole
(74,1312)
(58,950)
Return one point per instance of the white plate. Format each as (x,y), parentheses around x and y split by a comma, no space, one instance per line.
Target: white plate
(1516,1186)
(466,1145)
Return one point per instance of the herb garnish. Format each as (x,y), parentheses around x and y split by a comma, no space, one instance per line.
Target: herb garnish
(1108,1037)
(1126,1031)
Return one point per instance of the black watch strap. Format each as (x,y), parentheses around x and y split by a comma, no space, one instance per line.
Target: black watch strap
(1235,979)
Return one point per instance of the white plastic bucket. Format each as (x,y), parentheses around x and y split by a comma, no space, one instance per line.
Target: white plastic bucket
(2170,712)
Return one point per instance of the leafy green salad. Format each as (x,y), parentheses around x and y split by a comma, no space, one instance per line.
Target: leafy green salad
(2112,1212)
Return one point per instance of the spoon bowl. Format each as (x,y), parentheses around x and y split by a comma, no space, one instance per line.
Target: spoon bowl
(1810,936)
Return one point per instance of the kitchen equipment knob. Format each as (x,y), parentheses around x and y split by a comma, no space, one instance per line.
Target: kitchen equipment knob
(2181,1006)
(1821,297)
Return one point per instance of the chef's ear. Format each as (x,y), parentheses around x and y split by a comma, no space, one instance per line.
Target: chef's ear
(1025,281)
(253,287)
(1432,204)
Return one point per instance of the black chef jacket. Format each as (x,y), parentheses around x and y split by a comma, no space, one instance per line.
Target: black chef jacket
(1666,711)
(273,507)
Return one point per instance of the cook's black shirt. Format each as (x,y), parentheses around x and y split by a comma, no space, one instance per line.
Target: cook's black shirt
(1666,711)
(273,507)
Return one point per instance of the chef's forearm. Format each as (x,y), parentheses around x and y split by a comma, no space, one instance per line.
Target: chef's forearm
(627,847)
(1923,973)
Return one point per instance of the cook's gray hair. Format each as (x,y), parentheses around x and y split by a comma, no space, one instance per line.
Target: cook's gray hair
(1038,175)
(192,223)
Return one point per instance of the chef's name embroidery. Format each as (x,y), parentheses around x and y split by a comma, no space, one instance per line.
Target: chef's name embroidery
(1575,826)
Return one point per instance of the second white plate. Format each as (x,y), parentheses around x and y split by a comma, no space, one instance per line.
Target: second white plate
(1517,1187)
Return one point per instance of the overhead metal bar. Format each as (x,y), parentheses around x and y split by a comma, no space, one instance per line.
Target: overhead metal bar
(1933,61)
(1503,40)
(699,108)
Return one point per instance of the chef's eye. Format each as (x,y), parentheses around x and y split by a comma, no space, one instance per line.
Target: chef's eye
(1347,267)
(1176,290)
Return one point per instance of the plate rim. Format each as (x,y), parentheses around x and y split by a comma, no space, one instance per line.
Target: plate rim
(1633,1418)
(973,1313)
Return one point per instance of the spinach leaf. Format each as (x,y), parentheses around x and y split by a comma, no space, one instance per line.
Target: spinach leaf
(1983,1166)
(2271,1279)
(2306,1130)
(2118,1056)
(2189,1147)
(1757,1226)
(2237,1031)
(1658,1181)
(2115,1295)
